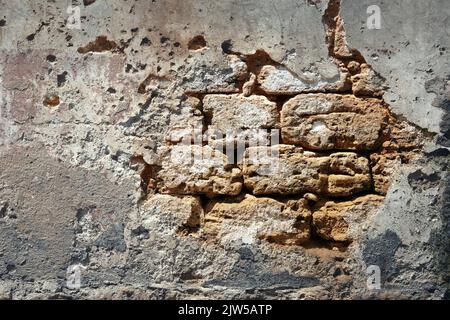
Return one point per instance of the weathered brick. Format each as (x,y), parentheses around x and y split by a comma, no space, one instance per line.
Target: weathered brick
(324,122)
(295,171)
(368,82)
(179,211)
(195,169)
(249,218)
(279,80)
(236,112)
(343,221)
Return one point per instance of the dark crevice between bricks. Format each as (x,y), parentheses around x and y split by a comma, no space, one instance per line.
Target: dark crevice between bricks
(147,174)
(317,242)
(193,225)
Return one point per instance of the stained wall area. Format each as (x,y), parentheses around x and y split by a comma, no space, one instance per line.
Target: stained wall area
(233,149)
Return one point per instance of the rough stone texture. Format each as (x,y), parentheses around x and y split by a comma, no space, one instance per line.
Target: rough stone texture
(218,79)
(324,121)
(279,80)
(368,82)
(401,148)
(254,218)
(235,112)
(197,170)
(342,221)
(295,171)
(181,212)
(188,123)
(90,114)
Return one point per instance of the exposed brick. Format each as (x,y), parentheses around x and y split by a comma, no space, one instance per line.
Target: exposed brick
(197,170)
(279,80)
(249,218)
(236,112)
(331,121)
(296,171)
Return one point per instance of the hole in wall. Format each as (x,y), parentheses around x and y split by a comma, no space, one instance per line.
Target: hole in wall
(197,43)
